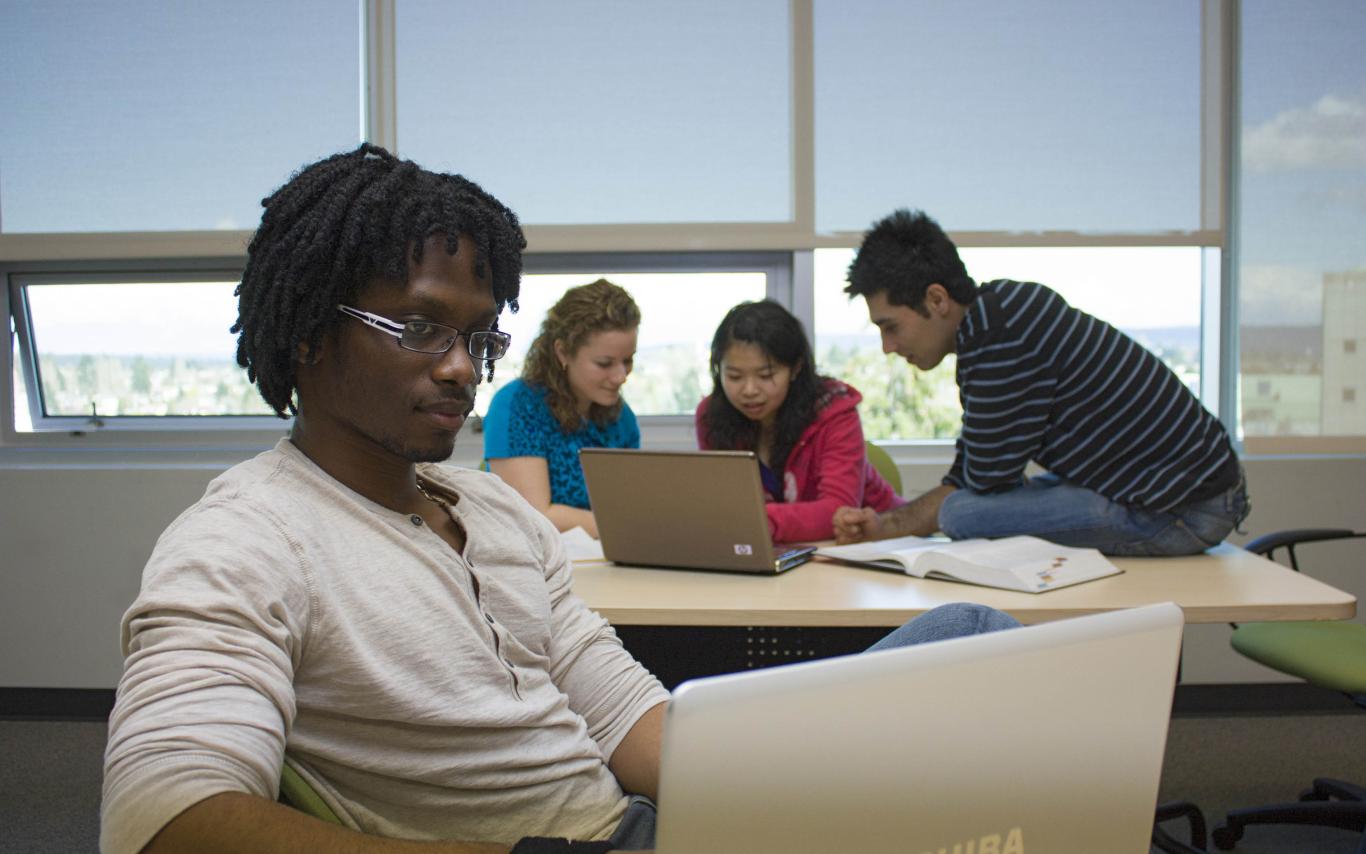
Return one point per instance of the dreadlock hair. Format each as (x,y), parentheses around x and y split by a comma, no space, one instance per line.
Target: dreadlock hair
(781,338)
(903,254)
(336,225)
(579,314)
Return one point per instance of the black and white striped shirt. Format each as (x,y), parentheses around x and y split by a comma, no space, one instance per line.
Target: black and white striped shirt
(1040,380)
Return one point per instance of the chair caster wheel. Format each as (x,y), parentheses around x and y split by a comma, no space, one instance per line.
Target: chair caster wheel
(1225,837)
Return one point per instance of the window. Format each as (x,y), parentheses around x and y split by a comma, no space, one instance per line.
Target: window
(1151,293)
(117,350)
(596,112)
(1080,148)
(1065,115)
(105,348)
(1301,216)
(681,300)
(167,116)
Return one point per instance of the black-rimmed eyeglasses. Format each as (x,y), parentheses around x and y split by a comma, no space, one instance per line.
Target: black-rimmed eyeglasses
(423,336)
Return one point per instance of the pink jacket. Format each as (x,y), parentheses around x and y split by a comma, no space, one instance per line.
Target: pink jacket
(827,469)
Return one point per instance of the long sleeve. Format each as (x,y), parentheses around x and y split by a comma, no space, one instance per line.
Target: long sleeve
(206,697)
(1041,381)
(836,478)
(699,427)
(1006,385)
(604,683)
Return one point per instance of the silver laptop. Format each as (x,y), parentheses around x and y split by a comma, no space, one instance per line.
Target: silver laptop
(684,510)
(1047,738)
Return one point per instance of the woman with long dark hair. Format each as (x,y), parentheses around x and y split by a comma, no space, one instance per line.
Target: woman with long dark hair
(805,429)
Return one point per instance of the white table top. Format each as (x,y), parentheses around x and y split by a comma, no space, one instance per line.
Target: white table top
(1225,585)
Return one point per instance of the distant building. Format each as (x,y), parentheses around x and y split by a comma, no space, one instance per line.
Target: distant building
(1344,353)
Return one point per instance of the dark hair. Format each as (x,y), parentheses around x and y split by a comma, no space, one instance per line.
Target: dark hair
(582,311)
(781,337)
(336,225)
(903,254)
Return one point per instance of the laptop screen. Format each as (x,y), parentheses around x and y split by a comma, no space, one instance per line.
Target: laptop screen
(681,509)
(1046,738)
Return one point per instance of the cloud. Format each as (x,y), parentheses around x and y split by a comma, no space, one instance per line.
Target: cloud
(1352,196)
(1328,134)
(1274,295)
(226,223)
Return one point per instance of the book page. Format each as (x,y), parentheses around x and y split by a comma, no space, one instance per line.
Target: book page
(900,550)
(1029,564)
(1026,564)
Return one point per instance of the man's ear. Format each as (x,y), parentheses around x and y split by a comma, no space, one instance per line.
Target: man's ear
(937,299)
(306,355)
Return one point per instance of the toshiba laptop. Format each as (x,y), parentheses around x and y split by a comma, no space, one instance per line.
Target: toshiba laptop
(684,510)
(1046,739)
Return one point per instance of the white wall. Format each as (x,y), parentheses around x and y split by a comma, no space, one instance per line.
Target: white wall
(73,541)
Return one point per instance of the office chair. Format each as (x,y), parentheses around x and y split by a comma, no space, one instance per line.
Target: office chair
(1330,654)
(295,792)
(882,461)
(1165,842)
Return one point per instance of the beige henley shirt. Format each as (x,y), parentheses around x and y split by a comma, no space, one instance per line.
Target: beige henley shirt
(423,693)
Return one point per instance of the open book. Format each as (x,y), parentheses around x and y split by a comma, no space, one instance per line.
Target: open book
(1027,564)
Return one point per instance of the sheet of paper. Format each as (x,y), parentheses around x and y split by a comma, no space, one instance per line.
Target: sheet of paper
(872,549)
(580,545)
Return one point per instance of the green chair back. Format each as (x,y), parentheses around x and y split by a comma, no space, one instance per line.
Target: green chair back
(882,461)
(295,791)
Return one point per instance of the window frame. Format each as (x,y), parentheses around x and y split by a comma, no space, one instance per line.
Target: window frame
(228,432)
(236,433)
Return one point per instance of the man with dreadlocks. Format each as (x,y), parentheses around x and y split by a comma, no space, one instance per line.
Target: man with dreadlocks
(402,635)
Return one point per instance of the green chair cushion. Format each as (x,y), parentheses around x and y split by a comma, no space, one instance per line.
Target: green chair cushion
(300,795)
(1330,654)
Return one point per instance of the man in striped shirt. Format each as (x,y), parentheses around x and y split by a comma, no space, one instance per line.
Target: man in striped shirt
(1135,465)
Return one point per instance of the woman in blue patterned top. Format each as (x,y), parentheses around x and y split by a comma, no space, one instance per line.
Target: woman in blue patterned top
(568,397)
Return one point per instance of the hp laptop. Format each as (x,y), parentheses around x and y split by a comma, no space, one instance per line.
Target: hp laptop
(684,510)
(1047,738)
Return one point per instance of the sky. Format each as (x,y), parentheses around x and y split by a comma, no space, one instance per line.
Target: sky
(189,319)
(1303,154)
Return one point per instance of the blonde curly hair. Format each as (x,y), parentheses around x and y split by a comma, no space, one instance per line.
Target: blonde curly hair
(583,311)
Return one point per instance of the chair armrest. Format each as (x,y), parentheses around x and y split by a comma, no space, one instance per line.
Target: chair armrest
(1280,539)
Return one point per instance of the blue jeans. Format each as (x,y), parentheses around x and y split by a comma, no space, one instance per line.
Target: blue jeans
(1054,509)
(636,832)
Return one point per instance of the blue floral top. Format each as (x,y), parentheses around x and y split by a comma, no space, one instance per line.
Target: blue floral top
(520,424)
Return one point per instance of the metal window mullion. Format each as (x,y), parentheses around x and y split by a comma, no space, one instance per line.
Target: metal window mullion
(801,276)
(1214,74)
(803,119)
(803,303)
(1230,94)
(378,108)
(17,309)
